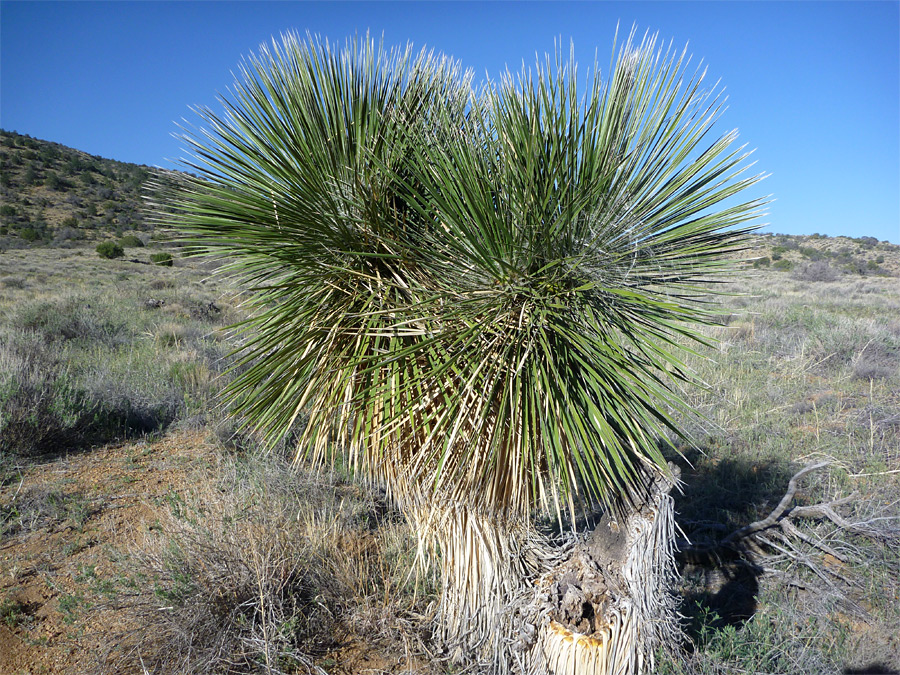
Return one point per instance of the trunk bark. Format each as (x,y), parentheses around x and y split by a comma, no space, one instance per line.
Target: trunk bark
(608,607)
(513,602)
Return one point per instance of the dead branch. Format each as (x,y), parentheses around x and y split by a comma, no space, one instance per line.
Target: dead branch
(751,542)
(779,511)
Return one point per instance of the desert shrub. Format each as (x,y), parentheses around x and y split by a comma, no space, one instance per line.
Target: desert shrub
(77,370)
(762,262)
(810,252)
(857,266)
(869,369)
(44,408)
(71,318)
(13,282)
(131,241)
(110,249)
(783,264)
(164,259)
(261,569)
(817,271)
(29,234)
(879,359)
(54,182)
(160,284)
(67,234)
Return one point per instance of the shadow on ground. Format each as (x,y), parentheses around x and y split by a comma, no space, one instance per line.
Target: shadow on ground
(718,497)
(871,669)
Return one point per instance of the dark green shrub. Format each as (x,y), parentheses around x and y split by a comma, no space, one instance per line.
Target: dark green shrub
(762,262)
(131,241)
(29,234)
(164,259)
(810,252)
(110,249)
(54,182)
(783,265)
(857,266)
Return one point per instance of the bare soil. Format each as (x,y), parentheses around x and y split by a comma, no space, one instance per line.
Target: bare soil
(63,574)
(64,562)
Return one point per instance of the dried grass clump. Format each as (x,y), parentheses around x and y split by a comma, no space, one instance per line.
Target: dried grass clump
(877,361)
(818,271)
(266,571)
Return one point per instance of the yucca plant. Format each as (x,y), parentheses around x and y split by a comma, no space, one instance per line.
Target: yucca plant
(479,298)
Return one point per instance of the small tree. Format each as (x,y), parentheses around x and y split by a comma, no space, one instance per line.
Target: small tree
(480,297)
(110,249)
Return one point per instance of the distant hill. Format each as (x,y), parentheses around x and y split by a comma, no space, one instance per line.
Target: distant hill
(818,257)
(54,195)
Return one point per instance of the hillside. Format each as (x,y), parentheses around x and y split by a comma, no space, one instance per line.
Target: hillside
(53,195)
(818,257)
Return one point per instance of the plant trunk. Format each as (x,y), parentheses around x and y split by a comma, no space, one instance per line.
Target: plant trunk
(515,602)
(608,607)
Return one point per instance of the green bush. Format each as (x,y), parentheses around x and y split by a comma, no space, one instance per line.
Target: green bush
(29,234)
(110,249)
(131,241)
(783,264)
(810,252)
(164,259)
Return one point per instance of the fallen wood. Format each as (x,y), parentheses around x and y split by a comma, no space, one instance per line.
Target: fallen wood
(752,542)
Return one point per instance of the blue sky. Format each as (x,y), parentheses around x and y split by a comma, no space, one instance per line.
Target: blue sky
(813,86)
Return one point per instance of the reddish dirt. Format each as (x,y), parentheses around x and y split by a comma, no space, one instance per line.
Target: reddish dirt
(65,570)
(61,574)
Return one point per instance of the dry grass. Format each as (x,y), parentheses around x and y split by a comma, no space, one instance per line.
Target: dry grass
(93,350)
(803,369)
(271,570)
(263,569)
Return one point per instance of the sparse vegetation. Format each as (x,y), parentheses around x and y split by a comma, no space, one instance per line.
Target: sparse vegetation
(176,551)
(84,364)
(801,368)
(46,186)
(262,568)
